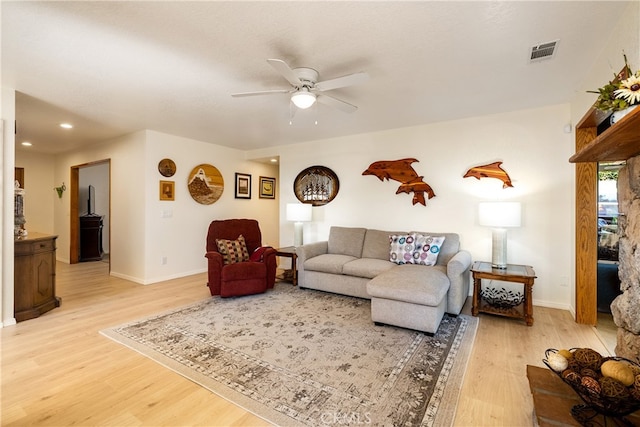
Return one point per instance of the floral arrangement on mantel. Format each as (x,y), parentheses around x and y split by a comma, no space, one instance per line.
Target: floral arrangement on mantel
(620,93)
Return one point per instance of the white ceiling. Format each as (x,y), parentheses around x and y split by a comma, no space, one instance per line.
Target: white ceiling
(112,68)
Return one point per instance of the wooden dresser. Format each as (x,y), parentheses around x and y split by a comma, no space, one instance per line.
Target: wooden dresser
(34,276)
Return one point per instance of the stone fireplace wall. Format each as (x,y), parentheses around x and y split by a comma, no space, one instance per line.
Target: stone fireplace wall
(626,307)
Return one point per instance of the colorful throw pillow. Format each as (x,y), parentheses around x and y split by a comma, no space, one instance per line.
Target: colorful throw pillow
(233,251)
(426,249)
(401,248)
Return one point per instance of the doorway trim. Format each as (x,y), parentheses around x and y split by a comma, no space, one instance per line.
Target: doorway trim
(586,223)
(74,209)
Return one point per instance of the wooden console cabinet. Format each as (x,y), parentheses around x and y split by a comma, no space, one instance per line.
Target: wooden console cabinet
(34,275)
(91,237)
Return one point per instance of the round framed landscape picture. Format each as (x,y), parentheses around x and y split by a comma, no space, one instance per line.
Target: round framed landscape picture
(205,184)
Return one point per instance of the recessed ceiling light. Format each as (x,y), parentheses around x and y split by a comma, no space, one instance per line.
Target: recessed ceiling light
(27,144)
(274,160)
(66,125)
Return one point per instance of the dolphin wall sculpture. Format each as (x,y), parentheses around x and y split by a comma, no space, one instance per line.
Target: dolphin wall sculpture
(491,170)
(402,171)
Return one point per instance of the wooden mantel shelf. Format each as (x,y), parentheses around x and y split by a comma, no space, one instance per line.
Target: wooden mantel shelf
(620,142)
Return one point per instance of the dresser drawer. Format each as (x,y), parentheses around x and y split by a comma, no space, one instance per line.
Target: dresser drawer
(34,246)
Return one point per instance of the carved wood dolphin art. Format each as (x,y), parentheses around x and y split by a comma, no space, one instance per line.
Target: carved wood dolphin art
(403,172)
(492,170)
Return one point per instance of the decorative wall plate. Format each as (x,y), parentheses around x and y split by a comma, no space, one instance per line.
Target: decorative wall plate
(316,185)
(167,167)
(205,184)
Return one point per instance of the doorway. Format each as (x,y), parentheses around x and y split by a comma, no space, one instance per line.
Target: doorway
(90,198)
(607,280)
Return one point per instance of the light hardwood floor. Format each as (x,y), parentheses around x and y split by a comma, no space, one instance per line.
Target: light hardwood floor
(57,370)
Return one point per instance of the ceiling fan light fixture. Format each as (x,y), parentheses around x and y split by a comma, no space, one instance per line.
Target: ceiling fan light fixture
(303,99)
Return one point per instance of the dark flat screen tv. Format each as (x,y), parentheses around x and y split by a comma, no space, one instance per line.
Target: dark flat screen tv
(91,200)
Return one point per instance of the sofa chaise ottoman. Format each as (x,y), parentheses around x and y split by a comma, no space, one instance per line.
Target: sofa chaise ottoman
(357,262)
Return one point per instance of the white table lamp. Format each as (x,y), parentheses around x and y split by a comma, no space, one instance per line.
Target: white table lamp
(298,213)
(499,216)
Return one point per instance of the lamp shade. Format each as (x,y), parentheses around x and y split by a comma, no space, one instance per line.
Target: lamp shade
(298,212)
(303,98)
(499,214)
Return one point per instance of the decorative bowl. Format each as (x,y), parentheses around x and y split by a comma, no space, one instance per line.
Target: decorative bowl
(591,390)
(501,298)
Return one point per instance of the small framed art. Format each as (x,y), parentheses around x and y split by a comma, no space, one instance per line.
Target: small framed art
(167,190)
(267,187)
(243,186)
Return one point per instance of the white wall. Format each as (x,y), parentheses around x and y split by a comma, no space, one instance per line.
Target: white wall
(535,151)
(181,237)
(127,202)
(39,186)
(7,180)
(140,236)
(624,39)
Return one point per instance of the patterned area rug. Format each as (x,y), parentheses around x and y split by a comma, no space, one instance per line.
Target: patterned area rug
(308,358)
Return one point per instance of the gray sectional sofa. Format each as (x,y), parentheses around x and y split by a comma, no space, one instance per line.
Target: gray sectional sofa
(356,262)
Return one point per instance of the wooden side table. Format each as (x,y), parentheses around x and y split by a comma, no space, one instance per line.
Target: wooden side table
(290,252)
(503,304)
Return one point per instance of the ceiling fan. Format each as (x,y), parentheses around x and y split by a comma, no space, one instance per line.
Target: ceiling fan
(306,87)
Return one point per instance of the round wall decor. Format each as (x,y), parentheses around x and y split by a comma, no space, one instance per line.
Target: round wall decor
(167,167)
(316,185)
(205,184)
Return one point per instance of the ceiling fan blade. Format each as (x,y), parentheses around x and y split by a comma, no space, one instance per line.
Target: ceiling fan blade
(349,80)
(263,92)
(336,103)
(286,71)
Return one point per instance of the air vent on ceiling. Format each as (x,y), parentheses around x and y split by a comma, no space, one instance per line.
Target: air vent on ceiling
(544,51)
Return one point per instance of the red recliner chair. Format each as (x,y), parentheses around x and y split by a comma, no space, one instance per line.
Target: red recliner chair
(240,278)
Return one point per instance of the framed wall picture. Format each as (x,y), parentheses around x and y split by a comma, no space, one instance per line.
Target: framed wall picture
(167,167)
(243,186)
(316,185)
(267,188)
(205,184)
(167,190)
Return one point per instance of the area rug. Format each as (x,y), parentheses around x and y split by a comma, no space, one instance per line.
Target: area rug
(307,358)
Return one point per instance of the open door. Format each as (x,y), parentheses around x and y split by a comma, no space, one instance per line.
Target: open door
(79,206)
(608,280)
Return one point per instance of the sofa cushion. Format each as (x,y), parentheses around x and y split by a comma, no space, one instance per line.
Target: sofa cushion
(233,251)
(376,244)
(401,248)
(366,267)
(328,263)
(346,241)
(411,283)
(426,249)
